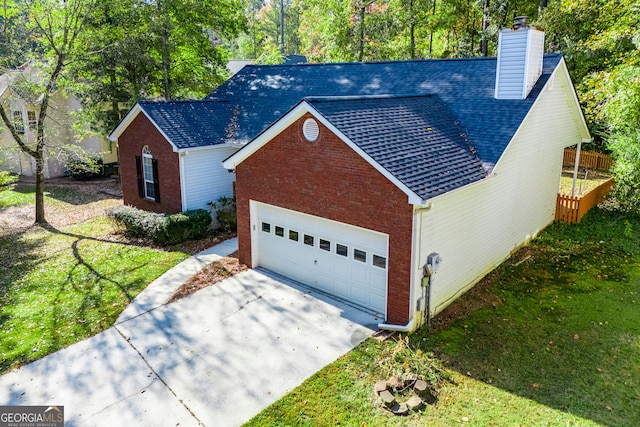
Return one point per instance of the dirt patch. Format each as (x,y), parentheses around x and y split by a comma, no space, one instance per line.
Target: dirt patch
(73,202)
(192,247)
(211,274)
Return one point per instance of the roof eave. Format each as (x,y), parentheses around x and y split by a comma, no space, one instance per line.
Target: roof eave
(130,117)
(294,114)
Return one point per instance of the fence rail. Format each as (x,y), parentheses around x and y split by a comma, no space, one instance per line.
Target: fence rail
(571,209)
(588,159)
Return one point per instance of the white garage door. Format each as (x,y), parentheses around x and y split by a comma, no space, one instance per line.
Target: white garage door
(340,259)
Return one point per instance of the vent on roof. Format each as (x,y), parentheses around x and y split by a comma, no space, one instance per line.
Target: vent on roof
(520,53)
(310,130)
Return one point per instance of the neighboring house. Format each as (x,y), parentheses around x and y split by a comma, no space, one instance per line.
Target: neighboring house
(58,125)
(393,185)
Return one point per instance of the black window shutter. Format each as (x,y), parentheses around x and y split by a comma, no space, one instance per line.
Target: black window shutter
(156,181)
(139,171)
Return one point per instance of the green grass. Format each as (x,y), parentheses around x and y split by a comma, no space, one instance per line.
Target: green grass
(58,287)
(563,347)
(583,186)
(59,196)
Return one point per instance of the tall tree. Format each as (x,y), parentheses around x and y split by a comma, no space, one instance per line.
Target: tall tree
(55,27)
(138,49)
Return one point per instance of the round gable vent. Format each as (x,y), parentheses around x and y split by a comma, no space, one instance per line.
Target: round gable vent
(310,130)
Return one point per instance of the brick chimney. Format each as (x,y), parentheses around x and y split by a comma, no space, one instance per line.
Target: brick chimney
(520,52)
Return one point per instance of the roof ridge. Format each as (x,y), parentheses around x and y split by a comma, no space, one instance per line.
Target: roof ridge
(366,97)
(179,101)
(386,61)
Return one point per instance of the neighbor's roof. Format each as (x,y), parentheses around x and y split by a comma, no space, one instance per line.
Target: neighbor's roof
(416,139)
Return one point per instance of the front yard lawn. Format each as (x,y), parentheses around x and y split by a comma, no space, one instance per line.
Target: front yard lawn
(59,286)
(557,343)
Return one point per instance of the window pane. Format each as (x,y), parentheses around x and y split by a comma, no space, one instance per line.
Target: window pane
(325,245)
(341,249)
(266,227)
(18,122)
(359,255)
(33,121)
(148,168)
(308,240)
(279,231)
(379,261)
(150,190)
(293,235)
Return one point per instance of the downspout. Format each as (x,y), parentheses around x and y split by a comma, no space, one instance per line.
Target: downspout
(409,326)
(398,328)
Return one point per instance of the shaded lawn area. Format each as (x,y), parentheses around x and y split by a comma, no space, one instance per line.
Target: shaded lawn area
(59,286)
(561,348)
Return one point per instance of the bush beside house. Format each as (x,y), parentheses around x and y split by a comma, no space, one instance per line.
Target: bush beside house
(163,229)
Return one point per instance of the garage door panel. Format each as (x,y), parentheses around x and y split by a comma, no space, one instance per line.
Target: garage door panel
(333,257)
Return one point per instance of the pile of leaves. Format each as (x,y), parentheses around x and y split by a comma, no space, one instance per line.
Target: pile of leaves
(211,274)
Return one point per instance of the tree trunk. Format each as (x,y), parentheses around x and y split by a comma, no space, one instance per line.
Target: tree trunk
(361,42)
(541,6)
(40,217)
(166,64)
(484,43)
(431,33)
(412,31)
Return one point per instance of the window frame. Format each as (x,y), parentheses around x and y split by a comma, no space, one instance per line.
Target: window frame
(32,123)
(18,121)
(147,171)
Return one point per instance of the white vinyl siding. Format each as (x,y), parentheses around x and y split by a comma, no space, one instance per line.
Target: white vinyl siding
(520,55)
(204,178)
(476,228)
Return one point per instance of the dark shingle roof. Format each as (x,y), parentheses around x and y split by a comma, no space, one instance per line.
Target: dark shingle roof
(457,96)
(191,124)
(466,86)
(416,139)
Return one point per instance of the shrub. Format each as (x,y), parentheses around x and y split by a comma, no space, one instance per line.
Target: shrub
(163,228)
(84,169)
(225,209)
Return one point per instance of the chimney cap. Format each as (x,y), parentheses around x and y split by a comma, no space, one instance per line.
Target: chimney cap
(520,22)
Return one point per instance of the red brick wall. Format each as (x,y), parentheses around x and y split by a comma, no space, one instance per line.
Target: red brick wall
(327,178)
(142,132)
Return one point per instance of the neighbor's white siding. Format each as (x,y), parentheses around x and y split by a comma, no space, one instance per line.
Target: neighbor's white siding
(59,129)
(477,227)
(203,177)
(520,56)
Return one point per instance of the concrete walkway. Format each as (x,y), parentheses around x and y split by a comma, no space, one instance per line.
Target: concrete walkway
(215,358)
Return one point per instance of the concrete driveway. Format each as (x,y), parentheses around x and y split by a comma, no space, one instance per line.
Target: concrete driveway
(215,358)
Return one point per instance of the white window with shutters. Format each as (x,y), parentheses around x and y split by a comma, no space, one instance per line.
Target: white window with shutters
(147,166)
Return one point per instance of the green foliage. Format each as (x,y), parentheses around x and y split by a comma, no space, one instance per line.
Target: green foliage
(138,49)
(225,209)
(85,169)
(6,179)
(626,151)
(163,229)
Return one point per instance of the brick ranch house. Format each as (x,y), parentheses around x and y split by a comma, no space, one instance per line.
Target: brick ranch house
(393,185)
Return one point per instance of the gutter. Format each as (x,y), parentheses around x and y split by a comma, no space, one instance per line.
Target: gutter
(398,328)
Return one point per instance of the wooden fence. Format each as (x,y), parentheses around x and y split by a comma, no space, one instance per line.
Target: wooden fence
(572,209)
(588,159)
